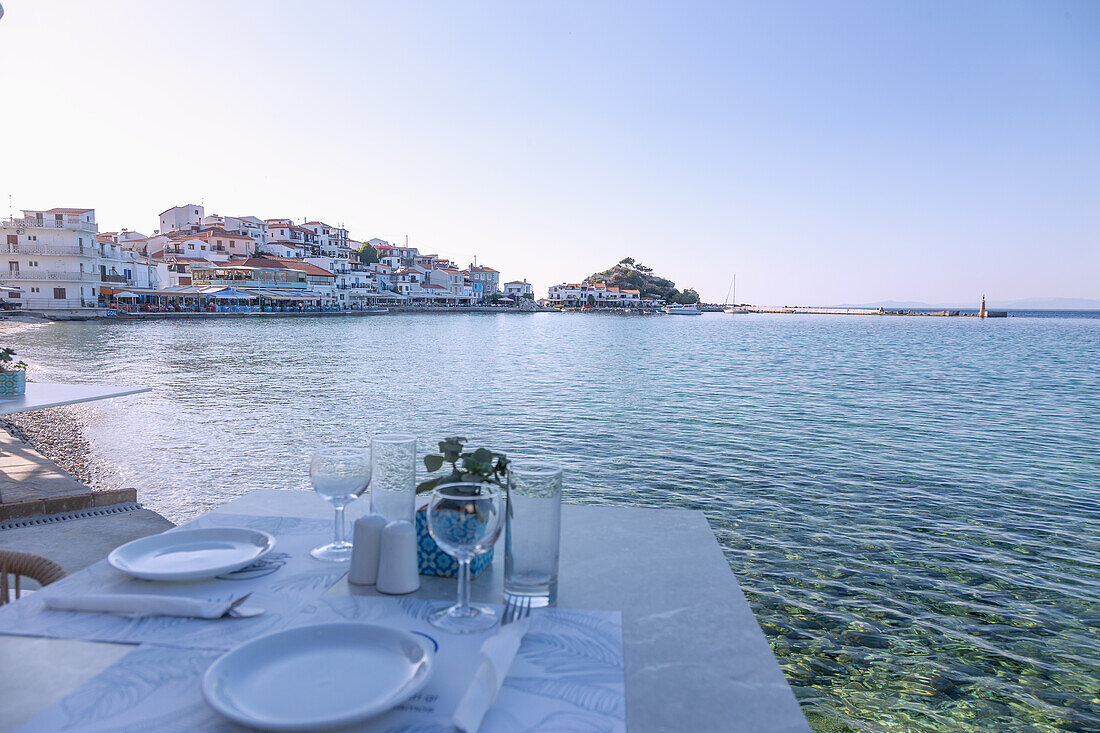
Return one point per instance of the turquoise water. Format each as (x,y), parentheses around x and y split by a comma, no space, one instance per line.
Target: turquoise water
(910,504)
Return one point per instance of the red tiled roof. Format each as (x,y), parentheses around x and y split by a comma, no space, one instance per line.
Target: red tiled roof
(68,211)
(306,267)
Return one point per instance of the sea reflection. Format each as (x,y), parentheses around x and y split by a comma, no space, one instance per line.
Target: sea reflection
(910,504)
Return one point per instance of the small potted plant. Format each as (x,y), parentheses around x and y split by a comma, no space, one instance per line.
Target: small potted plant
(13,374)
(481,466)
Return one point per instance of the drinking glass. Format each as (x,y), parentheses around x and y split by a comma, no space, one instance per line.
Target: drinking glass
(533,531)
(393,476)
(465,519)
(339,475)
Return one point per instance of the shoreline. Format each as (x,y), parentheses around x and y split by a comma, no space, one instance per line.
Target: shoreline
(39,317)
(58,434)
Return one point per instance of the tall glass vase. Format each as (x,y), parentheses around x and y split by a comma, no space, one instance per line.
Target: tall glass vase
(393,476)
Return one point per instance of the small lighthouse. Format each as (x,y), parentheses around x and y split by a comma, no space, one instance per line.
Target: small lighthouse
(982,313)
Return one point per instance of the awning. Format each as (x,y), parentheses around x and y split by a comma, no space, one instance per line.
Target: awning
(12,289)
(125,294)
(233,295)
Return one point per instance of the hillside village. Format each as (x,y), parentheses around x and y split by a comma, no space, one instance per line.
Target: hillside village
(58,260)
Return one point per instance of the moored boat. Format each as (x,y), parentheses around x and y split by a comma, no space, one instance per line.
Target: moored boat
(683,310)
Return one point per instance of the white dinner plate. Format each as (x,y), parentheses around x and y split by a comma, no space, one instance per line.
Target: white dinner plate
(190,554)
(318,677)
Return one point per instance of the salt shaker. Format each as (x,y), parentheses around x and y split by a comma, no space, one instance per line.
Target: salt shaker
(366,543)
(397,569)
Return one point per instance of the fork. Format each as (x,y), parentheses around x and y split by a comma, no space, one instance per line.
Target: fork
(515,608)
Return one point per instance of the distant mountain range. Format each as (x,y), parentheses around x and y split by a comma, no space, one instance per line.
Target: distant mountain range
(1025,304)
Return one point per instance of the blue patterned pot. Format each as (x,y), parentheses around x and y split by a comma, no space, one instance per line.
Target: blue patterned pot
(434,561)
(13,384)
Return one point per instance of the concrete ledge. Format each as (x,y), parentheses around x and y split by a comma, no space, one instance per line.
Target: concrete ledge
(78,542)
(114,496)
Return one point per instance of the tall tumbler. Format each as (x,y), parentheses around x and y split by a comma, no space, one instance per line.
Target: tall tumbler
(393,476)
(533,531)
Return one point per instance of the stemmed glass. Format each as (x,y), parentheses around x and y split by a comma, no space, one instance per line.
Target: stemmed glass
(339,475)
(465,519)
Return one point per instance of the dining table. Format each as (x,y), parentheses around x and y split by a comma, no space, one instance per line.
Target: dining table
(693,655)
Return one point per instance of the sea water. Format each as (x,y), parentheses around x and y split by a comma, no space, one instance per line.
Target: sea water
(911,505)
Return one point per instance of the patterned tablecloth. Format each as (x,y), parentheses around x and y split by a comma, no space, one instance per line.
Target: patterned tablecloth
(568,674)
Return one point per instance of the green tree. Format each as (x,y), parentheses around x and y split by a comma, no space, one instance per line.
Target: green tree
(367,254)
(628,261)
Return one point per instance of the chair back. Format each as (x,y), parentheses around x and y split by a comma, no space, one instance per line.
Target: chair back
(14,566)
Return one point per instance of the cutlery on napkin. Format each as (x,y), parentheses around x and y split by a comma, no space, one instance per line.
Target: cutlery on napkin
(152,605)
(497,654)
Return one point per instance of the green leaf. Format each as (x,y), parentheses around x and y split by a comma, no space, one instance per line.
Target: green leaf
(433,463)
(425,486)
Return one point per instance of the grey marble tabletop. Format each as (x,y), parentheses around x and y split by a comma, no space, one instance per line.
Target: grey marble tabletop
(695,657)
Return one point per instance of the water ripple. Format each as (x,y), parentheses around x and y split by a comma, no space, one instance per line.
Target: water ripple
(910,504)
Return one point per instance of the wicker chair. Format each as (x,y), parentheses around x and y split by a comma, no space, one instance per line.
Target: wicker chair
(25,565)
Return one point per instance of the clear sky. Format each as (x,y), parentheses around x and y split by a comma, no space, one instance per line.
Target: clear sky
(824,151)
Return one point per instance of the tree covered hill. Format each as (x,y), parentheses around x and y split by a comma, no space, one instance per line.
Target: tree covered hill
(634,275)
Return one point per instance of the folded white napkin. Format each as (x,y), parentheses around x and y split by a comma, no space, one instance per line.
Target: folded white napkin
(497,654)
(147,605)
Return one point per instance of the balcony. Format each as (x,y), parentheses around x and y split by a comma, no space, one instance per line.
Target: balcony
(74,223)
(33,248)
(118,279)
(44,275)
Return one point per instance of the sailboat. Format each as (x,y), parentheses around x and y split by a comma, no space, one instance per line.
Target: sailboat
(730,307)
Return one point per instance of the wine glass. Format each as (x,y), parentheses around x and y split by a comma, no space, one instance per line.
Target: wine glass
(465,519)
(339,475)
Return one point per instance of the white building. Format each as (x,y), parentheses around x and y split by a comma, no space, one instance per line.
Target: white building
(286,249)
(188,216)
(453,281)
(518,289)
(194,247)
(285,230)
(253,227)
(333,241)
(55,262)
(594,294)
(250,226)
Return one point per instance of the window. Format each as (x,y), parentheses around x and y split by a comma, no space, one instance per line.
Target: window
(59,293)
